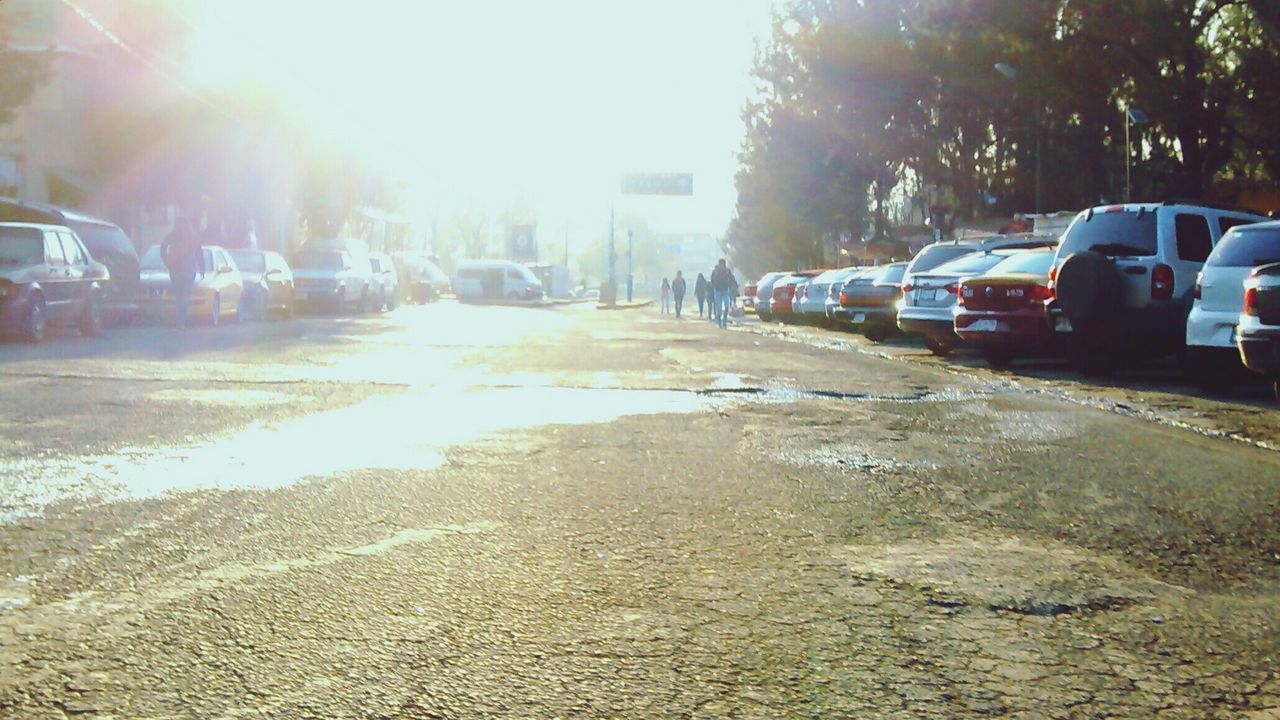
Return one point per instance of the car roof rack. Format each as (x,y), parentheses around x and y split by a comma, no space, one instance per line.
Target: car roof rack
(1213,204)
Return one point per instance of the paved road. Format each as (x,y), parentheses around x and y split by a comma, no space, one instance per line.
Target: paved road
(458,512)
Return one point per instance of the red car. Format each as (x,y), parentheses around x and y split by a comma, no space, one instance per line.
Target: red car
(784,292)
(749,297)
(1005,310)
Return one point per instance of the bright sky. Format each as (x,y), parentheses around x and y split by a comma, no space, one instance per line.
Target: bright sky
(544,103)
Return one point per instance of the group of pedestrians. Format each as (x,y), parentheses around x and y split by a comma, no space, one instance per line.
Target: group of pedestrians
(716,295)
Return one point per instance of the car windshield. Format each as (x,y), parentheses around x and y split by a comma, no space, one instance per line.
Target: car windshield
(971,264)
(1119,233)
(1247,248)
(935,255)
(318,261)
(250,261)
(151,259)
(1024,263)
(20,246)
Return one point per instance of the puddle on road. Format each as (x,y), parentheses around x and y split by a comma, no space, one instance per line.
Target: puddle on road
(409,431)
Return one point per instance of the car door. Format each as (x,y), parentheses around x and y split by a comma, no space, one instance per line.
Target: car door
(57,276)
(229,277)
(78,280)
(277,279)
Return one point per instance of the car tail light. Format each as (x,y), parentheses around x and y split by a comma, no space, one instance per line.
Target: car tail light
(953,288)
(1251,302)
(1162,282)
(1040,293)
(966,291)
(844,297)
(908,287)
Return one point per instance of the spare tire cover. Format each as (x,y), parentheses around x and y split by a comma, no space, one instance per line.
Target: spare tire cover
(1088,288)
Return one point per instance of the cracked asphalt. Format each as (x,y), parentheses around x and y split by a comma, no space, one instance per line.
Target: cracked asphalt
(472,512)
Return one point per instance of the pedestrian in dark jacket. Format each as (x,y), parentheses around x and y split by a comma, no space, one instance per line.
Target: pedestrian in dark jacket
(700,291)
(721,282)
(678,287)
(184,258)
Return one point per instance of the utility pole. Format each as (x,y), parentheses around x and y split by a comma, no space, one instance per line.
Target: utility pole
(613,256)
(630,278)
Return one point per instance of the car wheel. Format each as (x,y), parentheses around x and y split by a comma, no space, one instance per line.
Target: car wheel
(35,327)
(364,301)
(91,322)
(513,297)
(243,312)
(937,346)
(215,311)
(287,311)
(875,335)
(997,355)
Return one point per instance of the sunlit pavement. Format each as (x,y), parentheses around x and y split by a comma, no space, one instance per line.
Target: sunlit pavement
(452,511)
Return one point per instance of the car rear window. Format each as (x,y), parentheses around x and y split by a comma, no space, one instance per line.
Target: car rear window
(250,262)
(1121,233)
(892,275)
(1246,248)
(151,259)
(318,260)
(21,246)
(1028,263)
(1194,240)
(935,255)
(103,239)
(970,264)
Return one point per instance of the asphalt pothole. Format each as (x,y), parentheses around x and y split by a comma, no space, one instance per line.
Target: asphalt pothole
(1009,574)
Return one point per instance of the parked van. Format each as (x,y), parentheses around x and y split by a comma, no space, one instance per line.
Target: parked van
(495,280)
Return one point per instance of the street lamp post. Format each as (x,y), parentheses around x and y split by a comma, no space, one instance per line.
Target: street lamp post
(630,278)
(1132,116)
(1011,73)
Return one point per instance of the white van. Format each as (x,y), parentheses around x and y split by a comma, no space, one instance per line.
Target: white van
(495,280)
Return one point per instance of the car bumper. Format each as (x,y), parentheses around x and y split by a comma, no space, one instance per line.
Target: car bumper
(1259,346)
(1207,328)
(1161,323)
(1003,327)
(926,321)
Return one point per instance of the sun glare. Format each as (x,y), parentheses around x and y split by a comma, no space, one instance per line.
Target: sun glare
(545,103)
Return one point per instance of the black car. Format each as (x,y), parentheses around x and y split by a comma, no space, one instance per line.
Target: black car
(48,278)
(106,242)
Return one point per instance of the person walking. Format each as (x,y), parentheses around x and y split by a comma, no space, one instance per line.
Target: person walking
(184,259)
(721,280)
(700,292)
(678,287)
(666,296)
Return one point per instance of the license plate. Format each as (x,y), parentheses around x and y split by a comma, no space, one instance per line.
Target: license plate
(859,317)
(1062,325)
(984,326)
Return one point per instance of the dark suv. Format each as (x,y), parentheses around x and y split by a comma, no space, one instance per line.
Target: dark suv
(1124,276)
(106,242)
(47,277)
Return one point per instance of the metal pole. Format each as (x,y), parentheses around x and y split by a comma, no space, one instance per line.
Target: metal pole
(1128,178)
(1039,136)
(630,277)
(613,254)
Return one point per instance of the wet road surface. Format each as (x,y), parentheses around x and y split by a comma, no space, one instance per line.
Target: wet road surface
(456,512)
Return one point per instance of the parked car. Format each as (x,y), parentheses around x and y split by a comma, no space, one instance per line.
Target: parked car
(217,294)
(422,279)
(764,294)
(495,280)
(1258,332)
(333,277)
(810,304)
(1005,310)
(749,298)
(47,277)
(105,241)
(868,303)
(268,282)
(928,300)
(1218,301)
(781,302)
(1124,276)
(931,256)
(386,283)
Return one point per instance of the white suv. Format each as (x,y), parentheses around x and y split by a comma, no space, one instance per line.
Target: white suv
(1219,299)
(1124,275)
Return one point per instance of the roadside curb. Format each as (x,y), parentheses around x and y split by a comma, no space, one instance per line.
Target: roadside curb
(625,305)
